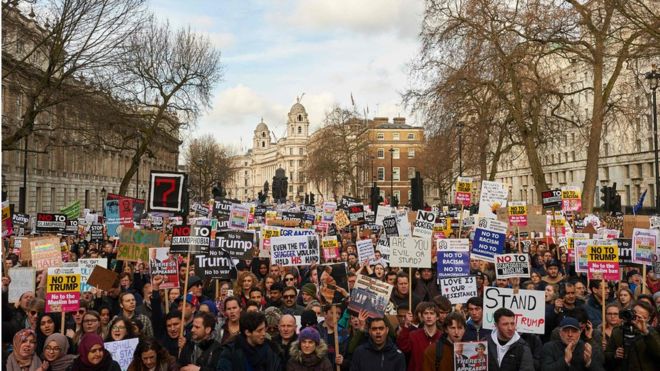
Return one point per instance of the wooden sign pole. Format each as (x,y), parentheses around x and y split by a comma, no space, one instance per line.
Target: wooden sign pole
(185,294)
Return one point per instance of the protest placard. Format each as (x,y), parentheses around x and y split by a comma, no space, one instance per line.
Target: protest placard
(356,214)
(294,250)
(512,265)
(551,199)
(329,209)
(571,199)
(330,247)
(239,216)
(46,252)
(423,227)
(390,227)
(240,245)
(62,290)
(122,351)
(463,191)
(383,212)
(96,232)
(371,295)
(201,209)
(341,219)
(365,249)
(103,279)
(347,201)
(23,279)
(213,264)
(493,196)
(527,305)
(86,267)
(7,225)
(410,252)
(654,222)
(453,257)
(458,289)
(644,242)
(471,356)
(603,260)
(197,238)
(134,244)
(625,251)
(383,246)
(333,283)
(50,223)
(581,263)
(162,263)
(518,213)
(489,239)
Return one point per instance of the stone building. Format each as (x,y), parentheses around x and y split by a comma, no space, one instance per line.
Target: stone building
(63,163)
(257,166)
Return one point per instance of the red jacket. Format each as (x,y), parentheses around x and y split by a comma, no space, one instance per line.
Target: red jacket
(414,343)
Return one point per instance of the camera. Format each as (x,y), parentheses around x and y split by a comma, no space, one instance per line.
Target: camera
(627,315)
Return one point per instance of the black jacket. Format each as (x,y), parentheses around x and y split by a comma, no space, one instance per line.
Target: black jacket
(209,358)
(517,358)
(367,357)
(553,358)
(237,352)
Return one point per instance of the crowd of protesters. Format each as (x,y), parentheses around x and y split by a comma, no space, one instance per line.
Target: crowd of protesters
(269,317)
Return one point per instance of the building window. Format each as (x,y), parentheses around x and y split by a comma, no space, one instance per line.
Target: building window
(381,173)
(381,153)
(411,172)
(263,144)
(263,135)
(411,153)
(290,151)
(301,151)
(299,129)
(395,136)
(411,136)
(396,154)
(397,194)
(299,119)
(380,136)
(396,173)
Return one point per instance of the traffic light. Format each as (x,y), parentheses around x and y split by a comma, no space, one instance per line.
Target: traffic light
(606,198)
(312,200)
(615,200)
(306,199)
(374,198)
(417,190)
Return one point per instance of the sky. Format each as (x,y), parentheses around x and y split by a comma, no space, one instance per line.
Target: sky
(273,51)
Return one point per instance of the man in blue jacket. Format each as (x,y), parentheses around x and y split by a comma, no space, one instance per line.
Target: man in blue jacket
(379,353)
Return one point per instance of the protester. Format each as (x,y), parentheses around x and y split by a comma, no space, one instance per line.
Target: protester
(24,356)
(634,346)
(149,355)
(309,353)
(250,350)
(439,356)
(92,356)
(379,353)
(202,350)
(415,342)
(570,350)
(55,353)
(507,351)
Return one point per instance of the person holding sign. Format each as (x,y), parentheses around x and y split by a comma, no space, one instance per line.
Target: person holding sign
(507,351)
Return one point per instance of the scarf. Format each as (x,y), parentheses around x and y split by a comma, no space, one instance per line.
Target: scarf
(65,360)
(20,338)
(257,357)
(502,349)
(86,343)
(41,337)
(12,364)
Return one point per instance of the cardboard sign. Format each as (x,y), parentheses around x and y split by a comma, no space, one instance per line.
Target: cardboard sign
(134,244)
(528,305)
(458,289)
(213,264)
(356,214)
(239,245)
(518,213)
(86,267)
(571,199)
(122,351)
(453,258)
(239,216)
(644,242)
(341,220)
(365,249)
(162,263)
(471,356)
(423,227)
(371,295)
(46,252)
(383,212)
(512,265)
(493,196)
(50,223)
(62,290)
(23,279)
(166,191)
(410,252)
(330,247)
(197,238)
(489,239)
(329,209)
(463,191)
(294,250)
(103,279)
(603,260)
(551,199)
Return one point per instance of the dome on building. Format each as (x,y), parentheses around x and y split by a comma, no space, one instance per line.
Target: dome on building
(262,126)
(297,108)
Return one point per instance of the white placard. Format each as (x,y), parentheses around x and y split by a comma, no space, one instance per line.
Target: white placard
(458,289)
(23,279)
(528,305)
(410,252)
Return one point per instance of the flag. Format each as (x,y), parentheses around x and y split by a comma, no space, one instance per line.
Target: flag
(72,211)
(637,207)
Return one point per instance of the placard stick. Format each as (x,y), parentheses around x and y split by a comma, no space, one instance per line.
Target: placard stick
(167,301)
(185,294)
(518,232)
(336,336)
(602,293)
(643,278)
(554,227)
(410,290)
(460,222)
(217,290)
(63,322)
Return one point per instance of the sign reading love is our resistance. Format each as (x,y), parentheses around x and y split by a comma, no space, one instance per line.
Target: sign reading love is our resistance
(603,260)
(458,289)
(62,290)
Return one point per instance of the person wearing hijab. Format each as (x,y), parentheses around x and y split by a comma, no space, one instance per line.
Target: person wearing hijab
(55,353)
(47,324)
(24,357)
(93,356)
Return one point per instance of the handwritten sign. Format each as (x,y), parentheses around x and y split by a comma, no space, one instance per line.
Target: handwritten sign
(134,244)
(493,196)
(86,267)
(365,249)
(528,306)
(458,289)
(423,227)
(410,252)
(46,252)
(294,250)
(22,281)
(341,219)
(62,290)
(122,351)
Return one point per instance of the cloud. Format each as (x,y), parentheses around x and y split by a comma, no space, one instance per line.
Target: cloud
(221,40)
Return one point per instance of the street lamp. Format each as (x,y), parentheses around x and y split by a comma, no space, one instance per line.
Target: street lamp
(460,148)
(653,78)
(199,167)
(373,176)
(103,194)
(23,199)
(391,174)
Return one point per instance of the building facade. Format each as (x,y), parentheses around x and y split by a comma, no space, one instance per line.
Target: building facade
(60,169)
(257,166)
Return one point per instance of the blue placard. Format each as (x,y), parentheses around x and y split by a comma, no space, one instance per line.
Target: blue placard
(487,244)
(453,264)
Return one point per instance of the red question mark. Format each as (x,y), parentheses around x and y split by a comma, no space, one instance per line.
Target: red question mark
(172,184)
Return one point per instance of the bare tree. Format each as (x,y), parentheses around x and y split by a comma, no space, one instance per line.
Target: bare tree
(68,43)
(168,77)
(208,163)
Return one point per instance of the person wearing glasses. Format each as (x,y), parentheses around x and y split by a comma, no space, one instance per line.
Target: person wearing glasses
(642,346)
(91,322)
(55,354)
(121,328)
(289,305)
(47,324)
(612,320)
(92,356)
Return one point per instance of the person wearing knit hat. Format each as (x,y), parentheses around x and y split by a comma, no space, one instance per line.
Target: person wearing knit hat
(309,352)
(308,318)
(308,293)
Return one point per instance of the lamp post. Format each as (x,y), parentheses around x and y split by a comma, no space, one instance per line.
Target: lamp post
(25,162)
(103,194)
(391,174)
(653,78)
(199,167)
(373,176)
(460,148)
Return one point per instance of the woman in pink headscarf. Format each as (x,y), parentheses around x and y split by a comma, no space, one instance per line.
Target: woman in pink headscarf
(93,356)
(24,357)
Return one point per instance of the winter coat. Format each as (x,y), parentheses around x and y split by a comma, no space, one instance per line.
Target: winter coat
(415,342)
(317,361)
(367,358)
(472,334)
(553,358)
(517,358)
(236,353)
(209,357)
(643,355)
(442,362)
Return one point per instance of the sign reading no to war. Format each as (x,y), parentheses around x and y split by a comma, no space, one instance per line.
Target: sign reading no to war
(603,260)
(410,252)
(489,239)
(528,305)
(512,265)
(294,250)
(62,290)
